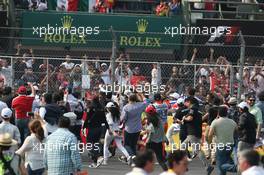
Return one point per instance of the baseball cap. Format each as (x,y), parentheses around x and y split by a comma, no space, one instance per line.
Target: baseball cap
(232,100)
(110,105)
(175,95)
(6,113)
(103,64)
(22,90)
(242,105)
(151,110)
(180,101)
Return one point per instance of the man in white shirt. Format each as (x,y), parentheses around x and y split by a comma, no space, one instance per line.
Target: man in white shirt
(105,73)
(68,64)
(144,163)
(249,163)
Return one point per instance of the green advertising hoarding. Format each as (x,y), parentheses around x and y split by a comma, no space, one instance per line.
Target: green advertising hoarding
(81,30)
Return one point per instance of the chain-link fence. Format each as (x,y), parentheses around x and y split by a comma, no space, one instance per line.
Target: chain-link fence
(82,75)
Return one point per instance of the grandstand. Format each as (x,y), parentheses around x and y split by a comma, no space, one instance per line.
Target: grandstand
(143,40)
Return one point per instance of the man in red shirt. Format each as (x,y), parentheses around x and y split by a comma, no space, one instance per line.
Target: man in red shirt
(22,104)
(137,78)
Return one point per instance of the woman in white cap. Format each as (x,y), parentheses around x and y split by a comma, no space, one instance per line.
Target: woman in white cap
(7,127)
(9,161)
(114,132)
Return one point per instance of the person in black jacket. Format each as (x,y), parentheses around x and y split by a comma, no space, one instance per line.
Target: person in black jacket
(94,122)
(246,128)
(179,114)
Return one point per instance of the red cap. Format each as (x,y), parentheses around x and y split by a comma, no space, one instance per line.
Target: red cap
(22,90)
(151,110)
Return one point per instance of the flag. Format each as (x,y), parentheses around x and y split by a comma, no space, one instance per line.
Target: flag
(67,5)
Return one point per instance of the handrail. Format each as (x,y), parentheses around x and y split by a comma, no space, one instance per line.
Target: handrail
(224,2)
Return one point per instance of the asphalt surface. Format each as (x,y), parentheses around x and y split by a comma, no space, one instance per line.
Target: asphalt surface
(115,167)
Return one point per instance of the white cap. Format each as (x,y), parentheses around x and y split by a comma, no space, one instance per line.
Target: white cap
(175,95)
(203,72)
(6,113)
(110,105)
(180,101)
(242,105)
(103,64)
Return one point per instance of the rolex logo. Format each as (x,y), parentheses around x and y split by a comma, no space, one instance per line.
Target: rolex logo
(66,22)
(142,25)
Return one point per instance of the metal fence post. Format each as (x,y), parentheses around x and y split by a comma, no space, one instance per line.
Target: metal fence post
(231,81)
(194,76)
(242,60)
(113,57)
(12,71)
(159,82)
(48,74)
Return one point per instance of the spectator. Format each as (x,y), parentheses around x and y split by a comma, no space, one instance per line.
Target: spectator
(68,64)
(28,58)
(62,77)
(58,160)
(9,161)
(39,5)
(76,106)
(29,76)
(258,76)
(32,149)
(93,124)
(162,109)
(44,67)
(144,163)
(100,6)
(22,105)
(131,117)
(7,127)
(114,132)
(123,75)
(223,128)
(175,7)
(6,72)
(105,73)
(179,114)
(162,9)
(7,96)
(156,135)
(246,128)
(154,75)
(137,78)
(260,105)
(177,162)
(253,109)
(193,121)
(50,112)
(3,105)
(249,163)
(76,77)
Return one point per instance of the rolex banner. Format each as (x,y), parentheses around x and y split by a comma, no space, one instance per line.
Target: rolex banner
(93,30)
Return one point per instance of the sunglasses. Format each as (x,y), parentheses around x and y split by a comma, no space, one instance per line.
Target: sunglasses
(252,100)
